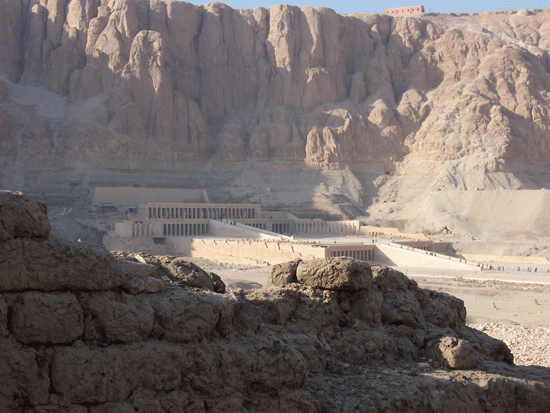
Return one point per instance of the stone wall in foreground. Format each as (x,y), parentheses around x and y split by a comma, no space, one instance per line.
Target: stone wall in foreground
(84,331)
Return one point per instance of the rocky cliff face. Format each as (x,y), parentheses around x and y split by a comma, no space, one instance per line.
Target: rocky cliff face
(152,85)
(84,332)
(147,87)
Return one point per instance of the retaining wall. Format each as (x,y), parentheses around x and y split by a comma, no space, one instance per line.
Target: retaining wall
(244,252)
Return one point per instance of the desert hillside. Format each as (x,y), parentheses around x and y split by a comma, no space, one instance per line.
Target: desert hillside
(410,121)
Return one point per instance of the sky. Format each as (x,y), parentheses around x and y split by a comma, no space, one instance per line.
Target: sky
(435,6)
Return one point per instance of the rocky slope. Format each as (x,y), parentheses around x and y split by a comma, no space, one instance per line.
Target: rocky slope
(142,87)
(82,331)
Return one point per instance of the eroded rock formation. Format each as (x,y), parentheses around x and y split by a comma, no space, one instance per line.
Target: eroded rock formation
(144,84)
(172,94)
(327,335)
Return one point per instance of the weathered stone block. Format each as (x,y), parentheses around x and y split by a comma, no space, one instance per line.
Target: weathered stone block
(185,316)
(189,274)
(113,408)
(274,306)
(112,374)
(338,274)
(261,365)
(4,95)
(144,285)
(443,310)
(3,317)
(21,382)
(50,408)
(21,217)
(366,306)
(47,318)
(118,317)
(401,307)
(454,353)
(284,273)
(388,280)
(52,264)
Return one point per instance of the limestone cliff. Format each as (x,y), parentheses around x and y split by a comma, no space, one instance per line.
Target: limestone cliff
(169,86)
(158,83)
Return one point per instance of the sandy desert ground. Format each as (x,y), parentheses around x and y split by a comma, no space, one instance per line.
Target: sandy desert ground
(516,312)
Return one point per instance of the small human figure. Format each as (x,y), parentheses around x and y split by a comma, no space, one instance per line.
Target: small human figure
(536,302)
(495,306)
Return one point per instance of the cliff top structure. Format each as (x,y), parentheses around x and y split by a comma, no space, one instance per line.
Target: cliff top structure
(397,11)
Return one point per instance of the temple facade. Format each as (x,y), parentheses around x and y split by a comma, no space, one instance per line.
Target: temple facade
(160,220)
(363,252)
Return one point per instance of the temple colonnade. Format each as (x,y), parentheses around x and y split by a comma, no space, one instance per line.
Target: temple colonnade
(180,229)
(142,230)
(326,227)
(364,254)
(207,211)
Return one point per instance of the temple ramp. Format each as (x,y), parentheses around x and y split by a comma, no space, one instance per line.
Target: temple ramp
(404,256)
(232,229)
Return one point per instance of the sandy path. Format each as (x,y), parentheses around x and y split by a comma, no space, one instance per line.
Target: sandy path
(496,301)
